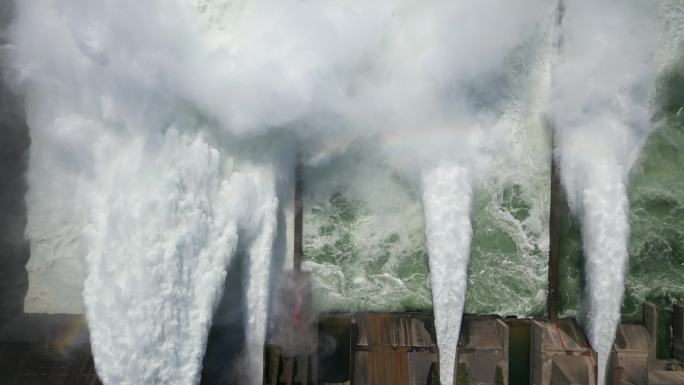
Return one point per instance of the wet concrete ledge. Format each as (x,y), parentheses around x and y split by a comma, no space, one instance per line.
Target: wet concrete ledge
(374,348)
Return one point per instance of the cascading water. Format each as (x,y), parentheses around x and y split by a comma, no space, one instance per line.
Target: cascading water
(158,254)
(600,129)
(147,191)
(260,256)
(447,200)
(166,276)
(139,109)
(604,213)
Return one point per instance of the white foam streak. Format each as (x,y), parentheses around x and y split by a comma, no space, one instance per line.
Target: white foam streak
(605,230)
(447,200)
(260,257)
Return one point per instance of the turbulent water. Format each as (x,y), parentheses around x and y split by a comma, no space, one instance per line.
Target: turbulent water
(656,197)
(358,242)
(358,247)
(365,254)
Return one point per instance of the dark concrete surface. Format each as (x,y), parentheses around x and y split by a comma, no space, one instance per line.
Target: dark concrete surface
(50,349)
(14,144)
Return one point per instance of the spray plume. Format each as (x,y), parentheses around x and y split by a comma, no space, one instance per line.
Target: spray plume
(600,99)
(156,130)
(447,199)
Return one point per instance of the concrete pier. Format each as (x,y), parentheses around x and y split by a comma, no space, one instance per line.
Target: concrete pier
(634,360)
(291,352)
(561,354)
(634,350)
(284,369)
(394,349)
(401,349)
(380,349)
(483,352)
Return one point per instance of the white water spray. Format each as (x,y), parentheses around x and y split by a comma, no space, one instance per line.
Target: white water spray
(608,50)
(135,107)
(603,209)
(260,256)
(605,220)
(447,200)
(158,253)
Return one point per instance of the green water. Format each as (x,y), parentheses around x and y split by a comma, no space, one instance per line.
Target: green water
(364,235)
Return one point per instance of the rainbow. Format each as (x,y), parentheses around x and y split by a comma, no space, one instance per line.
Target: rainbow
(74,332)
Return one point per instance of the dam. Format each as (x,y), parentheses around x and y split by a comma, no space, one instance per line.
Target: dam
(229,192)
